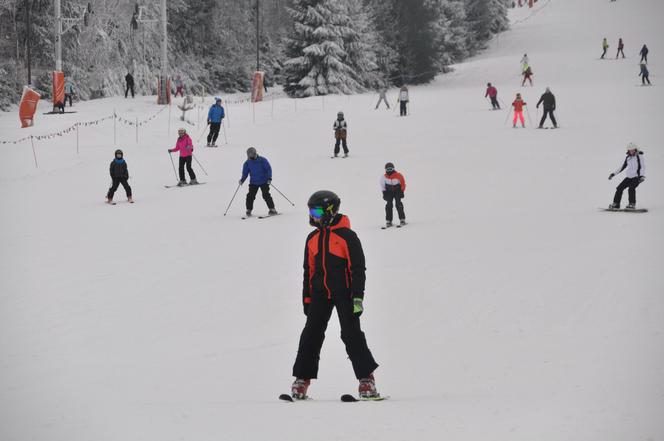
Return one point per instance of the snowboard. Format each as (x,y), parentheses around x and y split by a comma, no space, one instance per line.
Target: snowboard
(625,210)
(348,398)
(186,185)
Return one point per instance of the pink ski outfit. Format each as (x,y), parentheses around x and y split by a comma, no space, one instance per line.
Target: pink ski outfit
(184,146)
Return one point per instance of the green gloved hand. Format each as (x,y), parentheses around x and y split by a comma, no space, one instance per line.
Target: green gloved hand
(357,306)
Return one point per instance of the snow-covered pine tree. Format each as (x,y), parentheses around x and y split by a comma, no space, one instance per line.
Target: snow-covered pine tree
(362,43)
(451,31)
(486,18)
(317,63)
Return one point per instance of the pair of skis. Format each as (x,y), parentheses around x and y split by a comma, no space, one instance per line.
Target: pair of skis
(346,398)
(261,217)
(385,227)
(184,185)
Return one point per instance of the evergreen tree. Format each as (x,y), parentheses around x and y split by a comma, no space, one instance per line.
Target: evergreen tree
(451,30)
(486,18)
(361,42)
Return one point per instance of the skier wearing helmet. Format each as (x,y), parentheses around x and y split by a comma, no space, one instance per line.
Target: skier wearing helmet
(119,175)
(340,132)
(215,116)
(186,148)
(334,276)
(393,186)
(635,173)
(518,104)
(260,171)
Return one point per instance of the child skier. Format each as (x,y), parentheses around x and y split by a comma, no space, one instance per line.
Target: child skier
(185,146)
(605,46)
(340,132)
(260,171)
(527,75)
(635,172)
(119,175)
(644,74)
(334,276)
(393,186)
(403,101)
(215,116)
(518,104)
(492,93)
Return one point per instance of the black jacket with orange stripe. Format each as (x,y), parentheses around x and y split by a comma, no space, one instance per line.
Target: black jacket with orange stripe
(333,262)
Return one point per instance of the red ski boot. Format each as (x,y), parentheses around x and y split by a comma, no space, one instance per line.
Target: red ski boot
(367,388)
(299,388)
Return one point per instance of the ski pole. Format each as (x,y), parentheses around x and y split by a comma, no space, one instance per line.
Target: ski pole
(199,164)
(528,113)
(224,127)
(508,115)
(272,185)
(173,164)
(201,134)
(232,199)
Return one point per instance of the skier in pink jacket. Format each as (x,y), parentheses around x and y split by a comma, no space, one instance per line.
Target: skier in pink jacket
(186,148)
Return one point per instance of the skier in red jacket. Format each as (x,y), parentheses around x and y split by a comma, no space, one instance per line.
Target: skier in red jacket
(492,93)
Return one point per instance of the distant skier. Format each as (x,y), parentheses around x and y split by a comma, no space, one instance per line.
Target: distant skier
(179,86)
(524,63)
(492,93)
(393,186)
(635,171)
(518,104)
(260,171)
(403,101)
(69,91)
(527,75)
(621,46)
(644,74)
(548,101)
(644,54)
(340,134)
(334,276)
(119,175)
(129,84)
(185,146)
(382,96)
(215,116)
(605,46)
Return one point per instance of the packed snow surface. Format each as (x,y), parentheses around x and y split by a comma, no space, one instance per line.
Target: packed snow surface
(510,308)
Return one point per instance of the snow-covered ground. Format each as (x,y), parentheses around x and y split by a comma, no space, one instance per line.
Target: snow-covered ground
(509,309)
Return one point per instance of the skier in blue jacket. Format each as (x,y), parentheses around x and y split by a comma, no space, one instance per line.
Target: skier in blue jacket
(260,171)
(215,115)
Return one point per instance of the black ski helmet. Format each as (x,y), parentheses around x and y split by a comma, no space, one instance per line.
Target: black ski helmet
(389,165)
(328,201)
(118,152)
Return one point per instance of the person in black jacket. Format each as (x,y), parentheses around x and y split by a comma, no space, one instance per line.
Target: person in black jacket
(119,175)
(644,54)
(129,79)
(334,276)
(548,102)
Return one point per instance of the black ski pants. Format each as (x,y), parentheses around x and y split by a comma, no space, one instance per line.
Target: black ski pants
(114,186)
(186,160)
(630,184)
(494,103)
(393,199)
(604,53)
(214,132)
(340,141)
(313,335)
(68,96)
(644,57)
(645,78)
(130,87)
(620,51)
(265,191)
(548,112)
(403,111)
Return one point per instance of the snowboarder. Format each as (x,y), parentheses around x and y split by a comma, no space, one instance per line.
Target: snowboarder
(129,81)
(340,134)
(527,75)
(644,74)
(403,101)
(382,96)
(119,175)
(518,104)
(186,148)
(524,63)
(635,173)
(621,46)
(334,276)
(260,171)
(605,46)
(215,116)
(69,92)
(393,186)
(179,86)
(492,93)
(644,54)
(548,101)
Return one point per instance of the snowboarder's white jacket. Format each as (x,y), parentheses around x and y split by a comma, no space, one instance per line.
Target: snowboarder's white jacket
(634,166)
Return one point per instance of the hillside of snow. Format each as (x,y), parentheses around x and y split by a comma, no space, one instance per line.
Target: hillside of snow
(510,308)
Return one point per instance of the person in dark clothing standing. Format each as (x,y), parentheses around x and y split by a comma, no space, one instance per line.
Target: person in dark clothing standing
(340,134)
(644,54)
(492,93)
(129,80)
(621,46)
(260,171)
(644,74)
(216,115)
(334,277)
(634,166)
(393,186)
(548,101)
(119,175)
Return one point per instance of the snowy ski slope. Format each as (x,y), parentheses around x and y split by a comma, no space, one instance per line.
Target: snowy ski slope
(509,308)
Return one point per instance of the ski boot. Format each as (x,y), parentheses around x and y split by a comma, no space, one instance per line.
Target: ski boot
(209,144)
(367,388)
(614,206)
(182,183)
(193,182)
(345,155)
(299,388)
(272,212)
(130,199)
(630,206)
(109,200)
(247,213)
(388,224)
(402,222)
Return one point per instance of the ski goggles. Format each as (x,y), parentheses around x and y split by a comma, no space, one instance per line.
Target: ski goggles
(316,212)
(389,169)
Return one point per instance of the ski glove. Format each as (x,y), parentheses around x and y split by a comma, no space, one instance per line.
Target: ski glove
(611,176)
(241,181)
(269,181)
(641,179)
(357,306)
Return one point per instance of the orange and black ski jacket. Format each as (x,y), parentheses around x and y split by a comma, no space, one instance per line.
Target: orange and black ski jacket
(333,262)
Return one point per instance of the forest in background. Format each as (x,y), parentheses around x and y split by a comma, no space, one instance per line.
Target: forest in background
(307,47)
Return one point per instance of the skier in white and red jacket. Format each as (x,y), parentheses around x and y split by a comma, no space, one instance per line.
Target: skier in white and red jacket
(393,186)
(635,173)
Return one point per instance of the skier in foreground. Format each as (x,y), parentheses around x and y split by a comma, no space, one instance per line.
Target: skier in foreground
(119,175)
(393,186)
(185,146)
(261,177)
(215,116)
(635,173)
(334,276)
(548,101)
(340,133)
(492,93)
(518,104)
